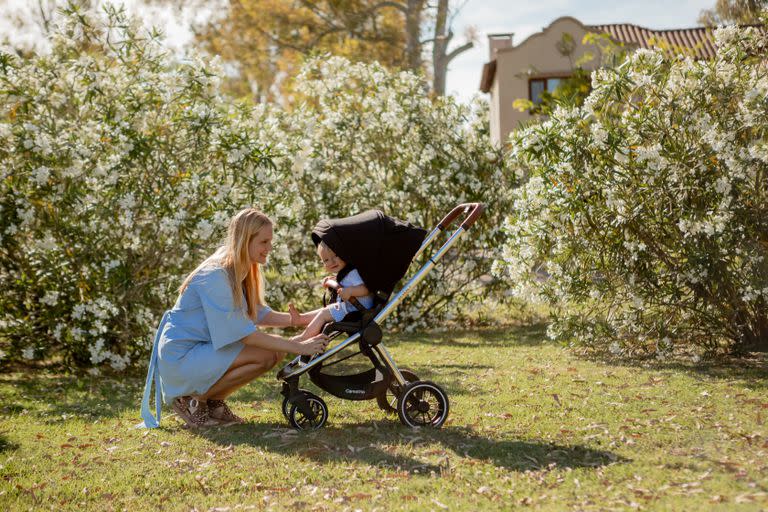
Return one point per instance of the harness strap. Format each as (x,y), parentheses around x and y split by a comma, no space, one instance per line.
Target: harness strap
(153,374)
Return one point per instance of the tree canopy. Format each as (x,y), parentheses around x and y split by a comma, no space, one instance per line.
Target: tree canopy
(733,11)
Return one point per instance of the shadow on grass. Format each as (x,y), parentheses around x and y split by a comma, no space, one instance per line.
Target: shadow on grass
(524,335)
(6,445)
(750,371)
(50,397)
(376,444)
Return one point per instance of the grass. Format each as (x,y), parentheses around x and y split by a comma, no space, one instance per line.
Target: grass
(531,426)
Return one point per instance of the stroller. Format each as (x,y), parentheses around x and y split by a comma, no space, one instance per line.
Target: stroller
(360,367)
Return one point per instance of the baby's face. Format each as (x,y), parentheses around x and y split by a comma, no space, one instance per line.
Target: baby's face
(331,262)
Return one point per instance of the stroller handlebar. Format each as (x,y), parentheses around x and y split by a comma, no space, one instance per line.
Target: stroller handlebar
(476,210)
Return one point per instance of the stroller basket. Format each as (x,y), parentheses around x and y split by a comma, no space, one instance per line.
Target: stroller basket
(360,367)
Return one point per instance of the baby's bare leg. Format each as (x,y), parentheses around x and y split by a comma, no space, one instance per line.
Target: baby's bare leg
(316,325)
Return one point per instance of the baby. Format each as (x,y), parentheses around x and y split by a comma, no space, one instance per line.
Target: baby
(350,285)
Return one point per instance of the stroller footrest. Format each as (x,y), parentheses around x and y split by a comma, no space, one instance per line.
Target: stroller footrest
(290,367)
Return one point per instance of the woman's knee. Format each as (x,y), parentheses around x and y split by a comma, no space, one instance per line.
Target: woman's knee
(262,357)
(279,356)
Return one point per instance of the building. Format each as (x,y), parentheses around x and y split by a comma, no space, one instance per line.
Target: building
(544,59)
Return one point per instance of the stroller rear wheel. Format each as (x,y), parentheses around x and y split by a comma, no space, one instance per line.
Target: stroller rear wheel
(301,421)
(387,401)
(423,404)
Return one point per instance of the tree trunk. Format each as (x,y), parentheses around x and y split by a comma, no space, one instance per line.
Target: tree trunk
(756,340)
(440,55)
(753,331)
(443,36)
(414,10)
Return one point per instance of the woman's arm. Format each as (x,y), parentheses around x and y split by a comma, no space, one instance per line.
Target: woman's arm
(279,344)
(291,319)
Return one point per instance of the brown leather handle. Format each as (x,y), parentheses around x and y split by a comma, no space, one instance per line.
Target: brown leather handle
(477,209)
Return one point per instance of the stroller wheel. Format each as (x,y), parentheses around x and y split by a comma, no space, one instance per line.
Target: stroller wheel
(387,401)
(423,404)
(301,421)
(286,408)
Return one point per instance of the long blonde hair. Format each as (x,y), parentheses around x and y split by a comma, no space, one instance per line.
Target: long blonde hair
(234,258)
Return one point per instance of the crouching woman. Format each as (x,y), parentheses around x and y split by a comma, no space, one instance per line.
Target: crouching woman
(209,345)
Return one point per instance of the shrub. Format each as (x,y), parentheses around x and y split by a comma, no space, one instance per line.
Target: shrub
(645,215)
(363,137)
(118,169)
(121,167)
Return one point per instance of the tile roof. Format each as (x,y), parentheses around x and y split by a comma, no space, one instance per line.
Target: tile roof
(698,39)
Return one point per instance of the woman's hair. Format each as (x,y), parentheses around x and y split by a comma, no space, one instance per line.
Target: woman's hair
(234,258)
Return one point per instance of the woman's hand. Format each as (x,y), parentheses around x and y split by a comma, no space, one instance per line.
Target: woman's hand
(344,293)
(311,346)
(295,315)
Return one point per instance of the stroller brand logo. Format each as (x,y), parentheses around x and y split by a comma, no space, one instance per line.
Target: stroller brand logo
(358,391)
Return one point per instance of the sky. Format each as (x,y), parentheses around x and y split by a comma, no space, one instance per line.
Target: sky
(523,18)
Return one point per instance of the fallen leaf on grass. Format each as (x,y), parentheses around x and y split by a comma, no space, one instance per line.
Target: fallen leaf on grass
(441,505)
(748,498)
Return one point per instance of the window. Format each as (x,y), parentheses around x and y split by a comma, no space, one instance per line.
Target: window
(537,86)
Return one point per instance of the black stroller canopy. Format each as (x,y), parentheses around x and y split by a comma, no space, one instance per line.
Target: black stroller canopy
(378,246)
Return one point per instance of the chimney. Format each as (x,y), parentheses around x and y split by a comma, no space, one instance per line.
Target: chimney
(498,41)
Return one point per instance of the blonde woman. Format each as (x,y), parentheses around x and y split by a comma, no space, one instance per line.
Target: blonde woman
(208,345)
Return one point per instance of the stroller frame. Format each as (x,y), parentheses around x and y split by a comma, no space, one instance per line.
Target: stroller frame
(368,333)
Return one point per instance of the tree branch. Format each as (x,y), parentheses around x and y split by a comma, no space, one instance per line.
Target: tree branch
(457,51)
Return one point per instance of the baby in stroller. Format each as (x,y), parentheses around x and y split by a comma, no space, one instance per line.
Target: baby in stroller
(347,288)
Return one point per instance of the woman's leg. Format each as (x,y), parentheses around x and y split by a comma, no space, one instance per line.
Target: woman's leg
(249,364)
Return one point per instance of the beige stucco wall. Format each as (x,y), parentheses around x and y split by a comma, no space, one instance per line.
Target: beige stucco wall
(536,56)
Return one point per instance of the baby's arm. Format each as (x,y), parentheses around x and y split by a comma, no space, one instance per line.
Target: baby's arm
(353,291)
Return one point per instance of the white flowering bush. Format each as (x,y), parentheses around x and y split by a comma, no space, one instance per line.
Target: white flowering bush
(119,170)
(363,137)
(122,166)
(644,218)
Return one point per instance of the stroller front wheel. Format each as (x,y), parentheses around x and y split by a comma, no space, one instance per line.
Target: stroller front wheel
(301,421)
(423,404)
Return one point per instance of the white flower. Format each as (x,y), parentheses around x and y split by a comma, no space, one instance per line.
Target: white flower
(127,202)
(204,229)
(50,298)
(722,185)
(28,353)
(41,175)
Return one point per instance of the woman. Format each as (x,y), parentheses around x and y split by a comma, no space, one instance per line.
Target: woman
(208,345)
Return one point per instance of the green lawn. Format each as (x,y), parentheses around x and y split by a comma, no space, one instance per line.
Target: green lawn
(531,426)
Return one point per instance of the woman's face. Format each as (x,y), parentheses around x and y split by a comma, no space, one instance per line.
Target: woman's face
(260,245)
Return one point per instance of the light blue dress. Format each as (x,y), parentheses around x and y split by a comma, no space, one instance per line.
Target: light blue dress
(197,340)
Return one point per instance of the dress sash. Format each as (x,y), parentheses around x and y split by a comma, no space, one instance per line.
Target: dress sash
(153,374)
